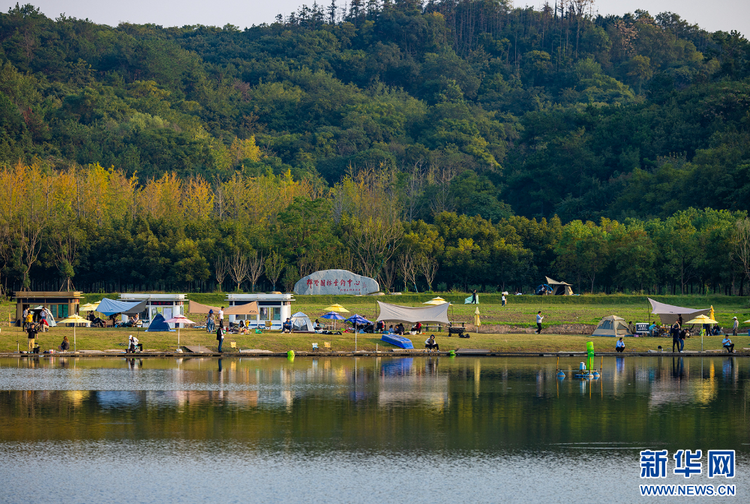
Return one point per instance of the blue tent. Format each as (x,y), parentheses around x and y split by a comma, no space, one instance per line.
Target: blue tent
(159,324)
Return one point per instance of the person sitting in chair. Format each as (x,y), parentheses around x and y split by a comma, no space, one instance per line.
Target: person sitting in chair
(620,345)
(430,343)
(286,327)
(133,344)
(727,343)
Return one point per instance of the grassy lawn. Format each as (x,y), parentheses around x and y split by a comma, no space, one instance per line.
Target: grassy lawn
(519,312)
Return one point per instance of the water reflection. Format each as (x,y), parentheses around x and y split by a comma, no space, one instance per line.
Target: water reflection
(436,402)
(340,420)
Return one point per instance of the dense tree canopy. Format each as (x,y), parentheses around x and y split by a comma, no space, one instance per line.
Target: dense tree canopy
(495,144)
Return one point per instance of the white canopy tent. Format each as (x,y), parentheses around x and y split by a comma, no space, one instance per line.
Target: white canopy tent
(395,313)
(668,314)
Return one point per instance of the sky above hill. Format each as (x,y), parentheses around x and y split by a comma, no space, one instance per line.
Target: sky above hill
(723,15)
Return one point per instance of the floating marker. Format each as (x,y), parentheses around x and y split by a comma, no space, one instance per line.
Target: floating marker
(590,352)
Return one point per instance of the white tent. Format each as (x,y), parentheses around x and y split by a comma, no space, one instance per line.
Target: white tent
(301,323)
(612,325)
(669,314)
(395,313)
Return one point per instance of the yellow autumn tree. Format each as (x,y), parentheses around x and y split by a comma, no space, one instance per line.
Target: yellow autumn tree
(197,199)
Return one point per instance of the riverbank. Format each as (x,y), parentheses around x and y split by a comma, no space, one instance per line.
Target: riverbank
(115,340)
(569,322)
(464,352)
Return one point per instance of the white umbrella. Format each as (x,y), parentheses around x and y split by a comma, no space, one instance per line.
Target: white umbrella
(179,319)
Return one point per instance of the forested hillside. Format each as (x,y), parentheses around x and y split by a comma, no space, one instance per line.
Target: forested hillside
(469,137)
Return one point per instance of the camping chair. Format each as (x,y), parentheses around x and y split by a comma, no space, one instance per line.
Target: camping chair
(233,345)
(327,345)
(268,324)
(315,347)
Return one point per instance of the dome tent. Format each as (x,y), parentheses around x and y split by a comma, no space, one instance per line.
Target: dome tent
(612,326)
(301,323)
(159,324)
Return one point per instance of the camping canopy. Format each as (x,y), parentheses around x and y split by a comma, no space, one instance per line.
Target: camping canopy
(395,313)
(668,314)
(560,288)
(612,325)
(111,307)
(243,309)
(194,307)
(301,323)
(158,324)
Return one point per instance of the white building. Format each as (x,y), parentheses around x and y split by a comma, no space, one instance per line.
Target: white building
(273,308)
(169,305)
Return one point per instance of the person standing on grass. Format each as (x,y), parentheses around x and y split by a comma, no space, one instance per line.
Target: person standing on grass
(676,336)
(504,300)
(539,319)
(220,335)
(31,330)
(221,317)
(735,326)
(683,335)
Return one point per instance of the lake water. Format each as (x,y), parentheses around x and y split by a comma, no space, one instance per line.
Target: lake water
(423,429)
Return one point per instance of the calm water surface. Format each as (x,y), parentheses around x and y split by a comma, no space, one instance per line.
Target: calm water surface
(361,430)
